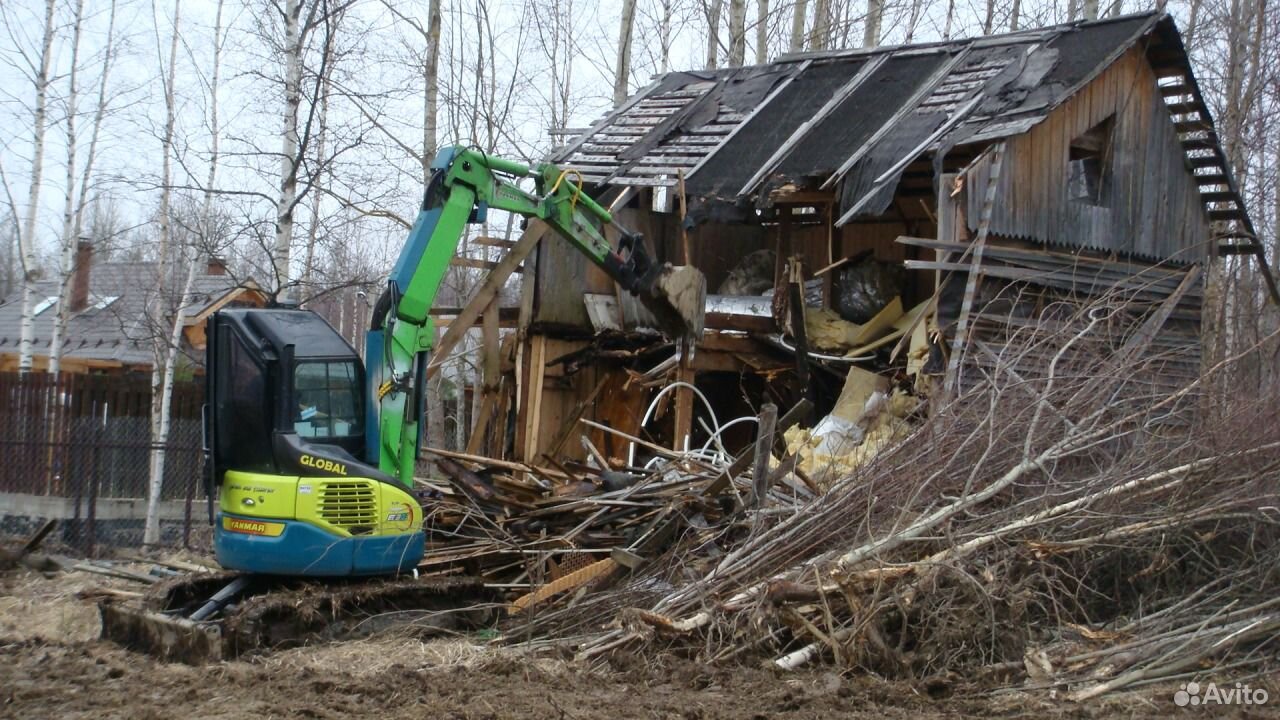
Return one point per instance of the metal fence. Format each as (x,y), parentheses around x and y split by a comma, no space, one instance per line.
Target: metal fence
(78,449)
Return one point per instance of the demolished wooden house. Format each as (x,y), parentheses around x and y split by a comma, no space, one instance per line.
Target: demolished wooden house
(827,196)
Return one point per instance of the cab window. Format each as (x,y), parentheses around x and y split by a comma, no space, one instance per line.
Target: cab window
(326,395)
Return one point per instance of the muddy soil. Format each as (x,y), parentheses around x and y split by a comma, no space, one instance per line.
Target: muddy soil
(53,666)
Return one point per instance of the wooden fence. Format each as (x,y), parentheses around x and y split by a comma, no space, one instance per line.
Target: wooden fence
(89,436)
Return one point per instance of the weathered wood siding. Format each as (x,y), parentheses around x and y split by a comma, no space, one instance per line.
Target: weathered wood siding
(1150,205)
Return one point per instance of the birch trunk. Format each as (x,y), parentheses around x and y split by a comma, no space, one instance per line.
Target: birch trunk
(664,37)
(797,25)
(713,33)
(871,30)
(989,18)
(215,129)
(27,236)
(762,32)
(321,135)
(622,73)
(65,266)
(1090,9)
(737,32)
(152,525)
(288,147)
(913,20)
(160,438)
(1014,15)
(10,259)
(460,407)
(435,407)
(1232,125)
(1269,314)
(431,89)
(820,36)
(1193,24)
(99,115)
(160,368)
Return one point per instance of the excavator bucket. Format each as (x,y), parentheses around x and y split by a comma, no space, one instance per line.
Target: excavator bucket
(678,299)
(163,636)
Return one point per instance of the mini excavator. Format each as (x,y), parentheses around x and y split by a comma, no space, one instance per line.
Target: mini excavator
(310,452)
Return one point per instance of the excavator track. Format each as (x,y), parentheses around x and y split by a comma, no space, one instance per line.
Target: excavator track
(276,613)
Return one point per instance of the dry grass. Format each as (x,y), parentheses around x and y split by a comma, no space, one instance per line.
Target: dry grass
(34,606)
(375,656)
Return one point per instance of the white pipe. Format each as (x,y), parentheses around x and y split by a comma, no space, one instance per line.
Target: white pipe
(631,451)
(716,435)
(829,358)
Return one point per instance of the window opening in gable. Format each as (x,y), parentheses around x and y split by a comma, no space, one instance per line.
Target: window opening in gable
(1089,165)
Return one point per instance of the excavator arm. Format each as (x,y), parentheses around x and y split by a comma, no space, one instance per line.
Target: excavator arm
(465,185)
(306,489)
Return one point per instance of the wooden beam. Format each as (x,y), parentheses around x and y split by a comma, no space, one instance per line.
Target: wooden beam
(493,242)
(464,261)
(745,323)
(532,419)
(1149,329)
(802,197)
(799,411)
(799,332)
(488,291)
(505,314)
(683,420)
(767,419)
(952,379)
(491,377)
(504,322)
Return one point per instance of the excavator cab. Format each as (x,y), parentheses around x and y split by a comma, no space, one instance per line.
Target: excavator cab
(285,427)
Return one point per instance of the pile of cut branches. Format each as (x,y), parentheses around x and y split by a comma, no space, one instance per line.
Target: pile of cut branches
(1066,522)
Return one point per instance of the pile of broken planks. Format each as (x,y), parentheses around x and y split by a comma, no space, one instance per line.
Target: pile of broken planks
(542,535)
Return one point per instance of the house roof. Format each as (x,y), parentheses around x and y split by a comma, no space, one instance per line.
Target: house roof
(853,120)
(114,327)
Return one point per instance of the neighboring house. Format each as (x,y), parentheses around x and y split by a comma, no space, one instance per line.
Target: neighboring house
(1083,155)
(110,326)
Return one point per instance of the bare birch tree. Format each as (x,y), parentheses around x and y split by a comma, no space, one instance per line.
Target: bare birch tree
(161,371)
(798,17)
(737,32)
(712,8)
(27,237)
(62,311)
(762,32)
(294,46)
(820,34)
(76,197)
(871,27)
(622,72)
(913,20)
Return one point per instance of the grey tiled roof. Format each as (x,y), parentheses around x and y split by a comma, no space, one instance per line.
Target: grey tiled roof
(115,326)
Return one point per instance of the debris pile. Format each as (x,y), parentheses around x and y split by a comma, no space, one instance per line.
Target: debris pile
(1074,530)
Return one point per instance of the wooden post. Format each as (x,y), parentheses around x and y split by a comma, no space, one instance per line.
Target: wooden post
(488,291)
(764,451)
(491,378)
(532,421)
(960,337)
(683,420)
(795,285)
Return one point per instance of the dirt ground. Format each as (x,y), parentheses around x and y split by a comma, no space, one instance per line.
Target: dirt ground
(52,665)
